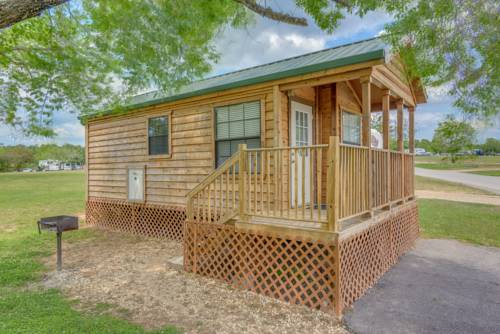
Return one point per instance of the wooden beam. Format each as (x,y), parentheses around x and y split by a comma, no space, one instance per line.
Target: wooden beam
(328,79)
(385,118)
(366,111)
(399,106)
(335,110)
(366,138)
(241,180)
(333,183)
(353,91)
(397,88)
(411,129)
(277,115)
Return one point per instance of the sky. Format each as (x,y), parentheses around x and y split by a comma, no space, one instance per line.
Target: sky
(266,41)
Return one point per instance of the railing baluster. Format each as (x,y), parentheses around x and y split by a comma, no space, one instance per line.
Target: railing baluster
(262,182)
(311,184)
(268,179)
(303,182)
(319,165)
(255,164)
(284,163)
(296,181)
(227,189)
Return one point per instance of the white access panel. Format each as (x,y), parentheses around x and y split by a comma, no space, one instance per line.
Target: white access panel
(136,184)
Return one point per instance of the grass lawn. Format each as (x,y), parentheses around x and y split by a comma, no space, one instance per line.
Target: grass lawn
(427,183)
(436,162)
(494,172)
(24,307)
(475,223)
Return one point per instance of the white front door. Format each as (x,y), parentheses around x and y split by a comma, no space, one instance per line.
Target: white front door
(300,135)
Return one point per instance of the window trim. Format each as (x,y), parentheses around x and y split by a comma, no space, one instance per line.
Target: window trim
(261,137)
(347,110)
(167,114)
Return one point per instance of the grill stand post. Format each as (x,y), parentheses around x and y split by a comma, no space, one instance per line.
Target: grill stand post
(59,251)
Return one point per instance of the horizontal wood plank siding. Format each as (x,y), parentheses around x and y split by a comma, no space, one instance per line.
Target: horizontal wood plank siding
(115,143)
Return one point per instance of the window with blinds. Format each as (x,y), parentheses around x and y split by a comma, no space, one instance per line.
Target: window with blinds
(236,124)
(158,132)
(351,128)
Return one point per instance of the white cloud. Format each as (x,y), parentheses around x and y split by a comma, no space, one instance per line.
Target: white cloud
(72,132)
(266,40)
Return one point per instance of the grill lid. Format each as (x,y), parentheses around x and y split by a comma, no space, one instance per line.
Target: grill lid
(58,223)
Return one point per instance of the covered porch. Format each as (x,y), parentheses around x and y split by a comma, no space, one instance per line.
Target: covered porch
(327,170)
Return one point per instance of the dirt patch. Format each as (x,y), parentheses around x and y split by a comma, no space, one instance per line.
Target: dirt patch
(134,279)
(459,197)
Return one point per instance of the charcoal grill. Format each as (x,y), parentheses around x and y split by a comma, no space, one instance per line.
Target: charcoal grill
(58,224)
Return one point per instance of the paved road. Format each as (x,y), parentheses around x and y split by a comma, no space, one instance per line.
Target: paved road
(488,183)
(442,286)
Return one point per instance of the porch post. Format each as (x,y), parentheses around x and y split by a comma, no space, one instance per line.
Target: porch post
(385,117)
(386,106)
(277,115)
(333,183)
(366,138)
(241,180)
(399,106)
(411,129)
(366,104)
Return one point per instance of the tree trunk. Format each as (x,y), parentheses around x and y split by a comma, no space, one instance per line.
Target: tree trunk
(13,11)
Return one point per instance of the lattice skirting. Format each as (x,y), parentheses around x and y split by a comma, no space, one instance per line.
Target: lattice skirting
(292,270)
(158,221)
(366,255)
(302,271)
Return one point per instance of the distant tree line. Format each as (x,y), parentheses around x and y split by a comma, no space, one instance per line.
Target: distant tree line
(490,146)
(16,157)
(453,136)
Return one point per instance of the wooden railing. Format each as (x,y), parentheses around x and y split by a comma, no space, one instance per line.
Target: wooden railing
(286,182)
(381,177)
(320,184)
(408,175)
(354,179)
(216,198)
(396,161)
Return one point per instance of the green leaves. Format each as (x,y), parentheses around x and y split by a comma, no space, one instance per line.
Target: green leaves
(453,136)
(454,43)
(86,56)
(91,55)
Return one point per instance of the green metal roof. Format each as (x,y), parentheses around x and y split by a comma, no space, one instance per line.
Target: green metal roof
(349,54)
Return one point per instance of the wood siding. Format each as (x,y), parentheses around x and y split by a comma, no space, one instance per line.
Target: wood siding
(116,143)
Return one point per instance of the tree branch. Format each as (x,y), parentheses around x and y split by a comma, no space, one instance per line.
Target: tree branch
(13,11)
(272,14)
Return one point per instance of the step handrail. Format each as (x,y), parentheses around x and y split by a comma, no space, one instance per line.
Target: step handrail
(202,193)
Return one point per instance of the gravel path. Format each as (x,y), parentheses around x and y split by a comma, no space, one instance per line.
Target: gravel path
(488,183)
(459,197)
(442,286)
(135,275)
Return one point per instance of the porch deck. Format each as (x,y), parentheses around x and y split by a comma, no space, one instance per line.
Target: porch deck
(340,185)
(287,225)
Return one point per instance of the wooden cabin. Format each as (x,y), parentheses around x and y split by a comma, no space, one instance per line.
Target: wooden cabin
(271,175)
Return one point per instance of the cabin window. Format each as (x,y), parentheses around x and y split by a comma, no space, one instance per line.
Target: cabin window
(236,124)
(158,135)
(351,128)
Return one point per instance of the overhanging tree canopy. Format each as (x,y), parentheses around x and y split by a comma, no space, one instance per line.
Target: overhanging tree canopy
(85,55)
